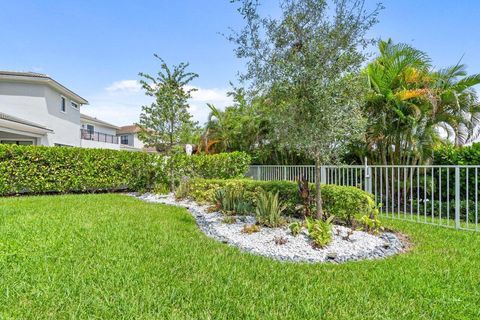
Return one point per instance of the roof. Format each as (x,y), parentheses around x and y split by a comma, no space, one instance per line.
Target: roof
(129,129)
(7,117)
(98,121)
(42,78)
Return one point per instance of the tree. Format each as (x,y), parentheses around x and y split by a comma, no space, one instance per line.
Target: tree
(458,109)
(398,106)
(308,61)
(166,121)
(408,102)
(247,126)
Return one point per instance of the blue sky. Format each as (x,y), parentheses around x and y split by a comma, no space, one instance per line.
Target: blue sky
(97,48)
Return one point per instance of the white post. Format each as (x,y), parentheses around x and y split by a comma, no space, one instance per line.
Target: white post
(457,197)
(323,175)
(367,181)
(258,172)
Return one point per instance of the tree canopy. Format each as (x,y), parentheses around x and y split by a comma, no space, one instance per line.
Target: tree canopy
(308,62)
(166,121)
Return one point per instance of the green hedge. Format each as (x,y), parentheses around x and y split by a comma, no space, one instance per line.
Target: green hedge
(217,166)
(451,155)
(35,169)
(343,202)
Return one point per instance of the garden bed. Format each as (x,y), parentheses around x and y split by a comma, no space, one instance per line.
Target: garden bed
(346,245)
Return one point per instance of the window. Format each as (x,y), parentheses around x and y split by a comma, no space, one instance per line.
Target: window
(63,105)
(17,142)
(124,139)
(90,128)
(74,105)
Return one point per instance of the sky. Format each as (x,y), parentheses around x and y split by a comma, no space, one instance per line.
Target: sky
(97,48)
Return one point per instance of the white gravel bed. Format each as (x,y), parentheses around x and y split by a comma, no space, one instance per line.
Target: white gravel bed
(360,245)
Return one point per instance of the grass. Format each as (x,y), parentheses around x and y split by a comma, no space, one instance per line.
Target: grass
(111,256)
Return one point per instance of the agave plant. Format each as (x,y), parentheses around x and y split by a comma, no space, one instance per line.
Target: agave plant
(232,201)
(269,209)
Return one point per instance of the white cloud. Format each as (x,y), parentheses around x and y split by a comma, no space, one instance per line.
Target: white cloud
(120,103)
(125,86)
(210,95)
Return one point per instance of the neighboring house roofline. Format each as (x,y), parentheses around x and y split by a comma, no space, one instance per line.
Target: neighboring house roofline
(133,128)
(97,121)
(33,77)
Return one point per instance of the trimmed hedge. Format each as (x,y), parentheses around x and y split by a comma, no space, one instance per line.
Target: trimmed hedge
(217,166)
(36,169)
(344,202)
(451,155)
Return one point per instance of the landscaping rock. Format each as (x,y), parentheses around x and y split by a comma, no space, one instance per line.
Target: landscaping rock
(361,245)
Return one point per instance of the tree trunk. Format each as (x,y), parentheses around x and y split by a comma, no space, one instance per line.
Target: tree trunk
(318,196)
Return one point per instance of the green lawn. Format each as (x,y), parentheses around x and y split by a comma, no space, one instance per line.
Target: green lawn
(112,256)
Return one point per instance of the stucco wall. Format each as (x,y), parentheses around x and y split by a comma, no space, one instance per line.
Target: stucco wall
(99,127)
(100,145)
(137,143)
(40,104)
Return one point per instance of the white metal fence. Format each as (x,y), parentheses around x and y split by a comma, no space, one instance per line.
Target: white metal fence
(439,195)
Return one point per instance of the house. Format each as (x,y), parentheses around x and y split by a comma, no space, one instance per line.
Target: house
(96,133)
(129,139)
(37,110)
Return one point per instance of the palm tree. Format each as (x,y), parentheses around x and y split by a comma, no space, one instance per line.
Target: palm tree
(398,104)
(409,105)
(458,110)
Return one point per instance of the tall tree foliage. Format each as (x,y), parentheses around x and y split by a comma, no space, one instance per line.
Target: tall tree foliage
(308,61)
(167,121)
(247,126)
(409,103)
(458,108)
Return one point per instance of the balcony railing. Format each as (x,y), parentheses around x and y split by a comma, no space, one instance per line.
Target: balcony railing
(98,136)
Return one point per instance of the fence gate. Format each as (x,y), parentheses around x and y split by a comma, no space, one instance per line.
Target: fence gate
(440,195)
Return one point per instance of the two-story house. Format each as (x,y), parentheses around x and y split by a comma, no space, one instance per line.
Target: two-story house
(96,133)
(37,110)
(129,139)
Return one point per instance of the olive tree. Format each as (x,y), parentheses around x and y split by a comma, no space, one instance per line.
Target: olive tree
(308,61)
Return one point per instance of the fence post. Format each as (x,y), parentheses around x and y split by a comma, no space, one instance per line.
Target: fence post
(323,175)
(368,177)
(285,173)
(258,172)
(457,197)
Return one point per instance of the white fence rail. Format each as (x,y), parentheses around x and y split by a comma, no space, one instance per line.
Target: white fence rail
(439,195)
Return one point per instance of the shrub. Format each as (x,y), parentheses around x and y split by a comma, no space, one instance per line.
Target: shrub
(320,231)
(295,228)
(370,223)
(445,209)
(183,189)
(161,188)
(217,166)
(229,220)
(344,202)
(347,203)
(452,155)
(250,228)
(269,209)
(232,201)
(35,169)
